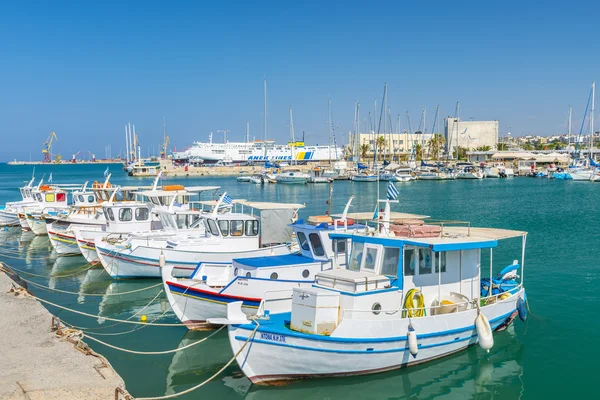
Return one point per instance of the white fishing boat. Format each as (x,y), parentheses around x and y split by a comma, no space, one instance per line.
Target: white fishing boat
(410,295)
(190,238)
(292,177)
(9,212)
(426,173)
(49,200)
(403,174)
(364,177)
(212,286)
(126,214)
(468,171)
(256,179)
(317,175)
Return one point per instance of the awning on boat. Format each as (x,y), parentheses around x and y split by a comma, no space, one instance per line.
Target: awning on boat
(261,205)
(484,233)
(394,215)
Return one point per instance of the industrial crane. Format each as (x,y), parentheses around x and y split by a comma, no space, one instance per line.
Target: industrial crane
(74,158)
(163,152)
(47,151)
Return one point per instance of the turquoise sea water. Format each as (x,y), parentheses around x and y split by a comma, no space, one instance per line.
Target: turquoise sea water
(553,355)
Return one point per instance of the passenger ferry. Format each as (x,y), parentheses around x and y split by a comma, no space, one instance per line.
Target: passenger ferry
(235,152)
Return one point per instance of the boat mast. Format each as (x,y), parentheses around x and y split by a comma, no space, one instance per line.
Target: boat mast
(265,119)
(126,146)
(592,118)
(330,126)
(247,132)
(357,133)
(569,129)
(423,132)
(292,138)
(456,122)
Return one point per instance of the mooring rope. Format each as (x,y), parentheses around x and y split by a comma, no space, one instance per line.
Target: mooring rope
(85,335)
(90,294)
(87,267)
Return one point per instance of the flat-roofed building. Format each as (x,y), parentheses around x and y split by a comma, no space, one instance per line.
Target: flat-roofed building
(470,134)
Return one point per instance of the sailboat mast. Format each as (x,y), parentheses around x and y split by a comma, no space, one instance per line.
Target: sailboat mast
(569,129)
(126,145)
(357,132)
(592,118)
(292,138)
(329,123)
(456,122)
(247,132)
(424,132)
(265,119)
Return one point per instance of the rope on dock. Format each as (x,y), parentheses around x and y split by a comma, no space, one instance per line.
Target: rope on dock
(198,386)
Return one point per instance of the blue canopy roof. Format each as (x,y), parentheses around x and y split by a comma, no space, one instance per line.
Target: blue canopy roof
(274,261)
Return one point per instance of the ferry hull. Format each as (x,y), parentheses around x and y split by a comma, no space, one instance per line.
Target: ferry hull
(275,354)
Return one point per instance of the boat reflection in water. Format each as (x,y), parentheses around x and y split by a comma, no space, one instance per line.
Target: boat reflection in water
(197,363)
(463,375)
(67,272)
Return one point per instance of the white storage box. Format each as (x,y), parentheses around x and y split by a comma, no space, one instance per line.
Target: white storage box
(352,281)
(314,310)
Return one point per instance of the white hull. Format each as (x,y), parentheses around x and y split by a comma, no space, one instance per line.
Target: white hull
(85,243)
(37,225)
(8,218)
(402,178)
(581,175)
(279,354)
(469,175)
(142,262)
(364,178)
(64,243)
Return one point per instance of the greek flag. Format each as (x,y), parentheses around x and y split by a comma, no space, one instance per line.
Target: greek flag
(106,173)
(392,192)
(162,175)
(118,192)
(227,199)
(50,178)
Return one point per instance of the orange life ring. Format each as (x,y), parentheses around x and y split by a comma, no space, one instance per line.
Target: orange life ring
(44,188)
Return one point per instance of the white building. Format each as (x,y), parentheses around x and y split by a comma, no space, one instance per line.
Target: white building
(396,144)
(470,134)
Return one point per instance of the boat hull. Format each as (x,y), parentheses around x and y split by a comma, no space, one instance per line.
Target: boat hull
(64,243)
(8,218)
(277,353)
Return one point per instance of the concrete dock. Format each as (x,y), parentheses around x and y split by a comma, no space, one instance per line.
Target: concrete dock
(35,364)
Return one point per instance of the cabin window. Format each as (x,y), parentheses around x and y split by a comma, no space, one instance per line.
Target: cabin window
(129,195)
(356,256)
(49,197)
(440,261)
(80,198)
(425,261)
(391,258)
(141,214)
(237,228)
(338,245)
(125,214)
(409,262)
(370,258)
(61,197)
(317,246)
(91,199)
(224,227)
(212,226)
(181,221)
(251,228)
(38,196)
(302,241)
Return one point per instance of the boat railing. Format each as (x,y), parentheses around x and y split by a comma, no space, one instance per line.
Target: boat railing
(450,223)
(441,309)
(275,301)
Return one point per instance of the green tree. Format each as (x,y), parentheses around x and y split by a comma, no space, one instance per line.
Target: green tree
(462,153)
(364,149)
(418,151)
(528,146)
(436,145)
(502,146)
(483,148)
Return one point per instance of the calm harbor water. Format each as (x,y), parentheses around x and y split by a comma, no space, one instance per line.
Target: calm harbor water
(552,355)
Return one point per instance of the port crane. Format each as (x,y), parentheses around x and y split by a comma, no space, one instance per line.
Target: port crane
(47,151)
(166,141)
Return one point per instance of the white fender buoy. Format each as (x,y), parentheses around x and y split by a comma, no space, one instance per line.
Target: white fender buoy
(162,261)
(484,331)
(413,345)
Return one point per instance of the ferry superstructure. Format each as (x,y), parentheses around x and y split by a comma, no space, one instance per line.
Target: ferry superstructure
(257,151)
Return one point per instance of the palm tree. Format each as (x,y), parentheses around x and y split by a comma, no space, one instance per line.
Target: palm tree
(502,146)
(380,144)
(347,152)
(528,146)
(364,149)
(436,144)
(418,151)
(462,153)
(484,148)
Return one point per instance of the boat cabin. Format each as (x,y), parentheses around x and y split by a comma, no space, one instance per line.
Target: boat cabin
(129,217)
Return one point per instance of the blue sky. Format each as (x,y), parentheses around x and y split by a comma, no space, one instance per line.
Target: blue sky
(84,69)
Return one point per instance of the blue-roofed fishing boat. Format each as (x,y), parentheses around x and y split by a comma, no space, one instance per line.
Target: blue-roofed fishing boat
(412,292)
